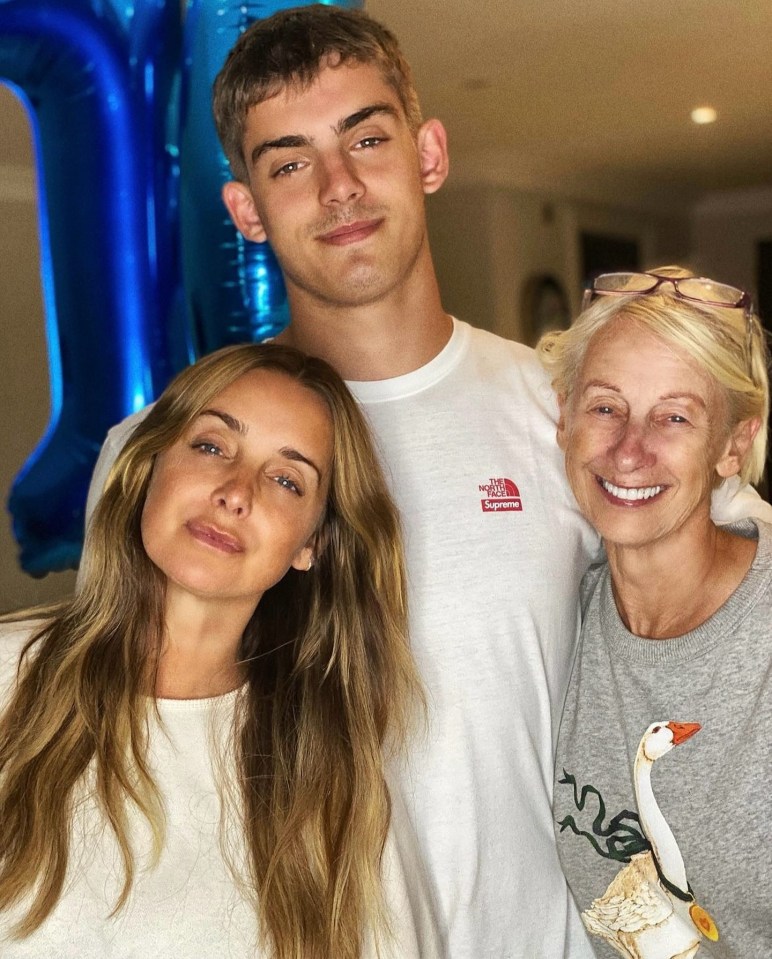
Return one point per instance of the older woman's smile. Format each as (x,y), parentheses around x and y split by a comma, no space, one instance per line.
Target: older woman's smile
(643,421)
(630,494)
(661,400)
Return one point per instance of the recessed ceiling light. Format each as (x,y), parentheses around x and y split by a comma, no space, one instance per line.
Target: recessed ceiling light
(704,115)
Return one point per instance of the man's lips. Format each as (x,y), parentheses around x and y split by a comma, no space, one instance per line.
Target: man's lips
(216,538)
(350,232)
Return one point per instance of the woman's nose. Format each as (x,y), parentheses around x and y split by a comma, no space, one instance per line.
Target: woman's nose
(633,448)
(235,495)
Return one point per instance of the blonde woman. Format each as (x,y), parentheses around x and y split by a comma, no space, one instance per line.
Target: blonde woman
(664,753)
(192,748)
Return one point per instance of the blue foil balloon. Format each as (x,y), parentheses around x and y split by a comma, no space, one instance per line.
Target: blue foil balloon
(93,75)
(234,288)
(109,85)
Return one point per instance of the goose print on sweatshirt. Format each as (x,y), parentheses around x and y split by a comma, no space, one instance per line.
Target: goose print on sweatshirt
(648,910)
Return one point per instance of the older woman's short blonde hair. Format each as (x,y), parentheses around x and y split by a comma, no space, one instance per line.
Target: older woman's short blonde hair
(729,345)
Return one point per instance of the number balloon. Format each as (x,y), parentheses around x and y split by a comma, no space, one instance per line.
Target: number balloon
(142,270)
(92,75)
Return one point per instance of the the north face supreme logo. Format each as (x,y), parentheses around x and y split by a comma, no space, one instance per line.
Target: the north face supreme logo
(502,496)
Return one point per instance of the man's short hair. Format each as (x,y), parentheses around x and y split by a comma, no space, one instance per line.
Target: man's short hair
(291,47)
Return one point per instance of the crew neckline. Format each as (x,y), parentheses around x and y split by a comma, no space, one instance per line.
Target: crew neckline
(198,705)
(399,387)
(722,624)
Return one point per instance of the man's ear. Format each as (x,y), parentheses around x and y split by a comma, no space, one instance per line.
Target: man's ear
(241,207)
(737,447)
(432,143)
(562,431)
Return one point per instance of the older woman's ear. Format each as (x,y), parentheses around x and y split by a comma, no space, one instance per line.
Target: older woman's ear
(562,430)
(737,447)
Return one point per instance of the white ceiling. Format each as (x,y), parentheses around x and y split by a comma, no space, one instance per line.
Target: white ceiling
(584,97)
(592,95)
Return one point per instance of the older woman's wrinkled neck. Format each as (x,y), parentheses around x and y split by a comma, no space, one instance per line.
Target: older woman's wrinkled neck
(667,589)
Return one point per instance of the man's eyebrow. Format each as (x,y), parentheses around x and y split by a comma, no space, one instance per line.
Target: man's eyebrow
(230,421)
(349,122)
(295,140)
(298,457)
(291,140)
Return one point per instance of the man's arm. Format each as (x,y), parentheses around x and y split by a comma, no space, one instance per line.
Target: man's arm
(113,444)
(732,501)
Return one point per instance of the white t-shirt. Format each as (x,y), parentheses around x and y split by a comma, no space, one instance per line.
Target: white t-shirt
(496,549)
(495,552)
(188,906)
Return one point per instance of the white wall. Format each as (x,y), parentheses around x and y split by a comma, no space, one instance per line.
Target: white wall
(726,228)
(461,245)
(489,240)
(24,392)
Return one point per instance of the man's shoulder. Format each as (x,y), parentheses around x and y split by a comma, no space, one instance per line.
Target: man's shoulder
(14,636)
(114,442)
(733,502)
(483,341)
(14,633)
(118,434)
(508,363)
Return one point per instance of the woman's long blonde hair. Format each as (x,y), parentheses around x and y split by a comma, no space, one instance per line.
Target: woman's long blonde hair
(331,683)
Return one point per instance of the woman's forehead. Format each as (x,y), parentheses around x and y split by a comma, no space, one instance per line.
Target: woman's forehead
(629,352)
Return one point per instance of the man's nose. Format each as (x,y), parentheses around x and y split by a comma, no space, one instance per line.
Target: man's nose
(340,182)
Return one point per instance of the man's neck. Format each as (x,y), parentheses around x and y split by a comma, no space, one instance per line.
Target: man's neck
(373,341)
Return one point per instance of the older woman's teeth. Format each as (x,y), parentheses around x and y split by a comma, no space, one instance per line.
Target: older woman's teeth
(621,492)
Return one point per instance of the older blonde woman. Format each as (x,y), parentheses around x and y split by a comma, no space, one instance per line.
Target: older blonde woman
(192,748)
(664,396)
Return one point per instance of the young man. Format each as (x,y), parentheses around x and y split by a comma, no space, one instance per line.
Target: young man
(319,118)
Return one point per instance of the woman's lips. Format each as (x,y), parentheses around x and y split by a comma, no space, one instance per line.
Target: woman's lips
(630,495)
(216,538)
(350,232)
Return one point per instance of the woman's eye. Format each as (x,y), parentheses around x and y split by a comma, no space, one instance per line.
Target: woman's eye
(366,142)
(286,483)
(209,449)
